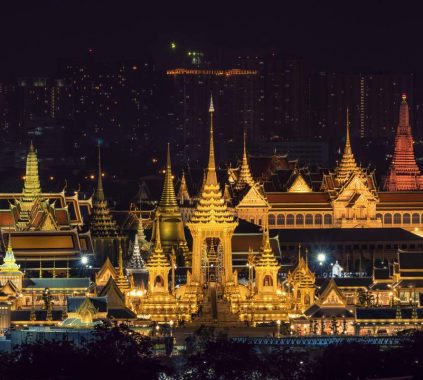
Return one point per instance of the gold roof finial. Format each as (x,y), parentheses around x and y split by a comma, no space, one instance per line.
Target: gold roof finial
(120,259)
(168,199)
(211,208)
(158,243)
(347,165)
(245,177)
(211,108)
(211,169)
(100,190)
(121,280)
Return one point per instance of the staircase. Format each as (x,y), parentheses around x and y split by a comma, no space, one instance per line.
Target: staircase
(214,311)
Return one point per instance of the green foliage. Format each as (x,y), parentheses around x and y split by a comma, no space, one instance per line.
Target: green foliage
(114,352)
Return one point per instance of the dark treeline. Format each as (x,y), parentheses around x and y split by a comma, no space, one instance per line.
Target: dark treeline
(119,353)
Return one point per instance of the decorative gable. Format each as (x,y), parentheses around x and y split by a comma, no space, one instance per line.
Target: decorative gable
(106,272)
(253,198)
(332,296)
(299,185)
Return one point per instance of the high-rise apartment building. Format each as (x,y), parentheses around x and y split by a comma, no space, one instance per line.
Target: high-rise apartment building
(235,95)
(282,96)
(372,99)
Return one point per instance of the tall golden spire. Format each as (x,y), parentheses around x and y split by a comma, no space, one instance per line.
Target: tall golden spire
(245,177)
(32,188)
(168,199)
(211,178)
(211,207)
(348,165)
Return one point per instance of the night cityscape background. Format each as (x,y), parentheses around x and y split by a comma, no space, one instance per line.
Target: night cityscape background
(211,190)
(113,76)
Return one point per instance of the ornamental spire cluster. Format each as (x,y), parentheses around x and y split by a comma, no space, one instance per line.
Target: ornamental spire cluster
(348,165)
(245,178)
(211,207)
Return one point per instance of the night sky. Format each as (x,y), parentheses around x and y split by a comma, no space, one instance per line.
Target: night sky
(341,35)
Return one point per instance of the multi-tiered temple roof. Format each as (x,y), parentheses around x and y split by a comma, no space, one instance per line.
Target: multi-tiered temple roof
(211,207)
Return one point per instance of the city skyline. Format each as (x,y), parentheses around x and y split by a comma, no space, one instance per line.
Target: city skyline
(379,36)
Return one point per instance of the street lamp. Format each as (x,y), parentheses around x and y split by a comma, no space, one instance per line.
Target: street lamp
(84,260)
(321,258)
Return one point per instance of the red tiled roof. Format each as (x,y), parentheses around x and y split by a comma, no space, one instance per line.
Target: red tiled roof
(291,198)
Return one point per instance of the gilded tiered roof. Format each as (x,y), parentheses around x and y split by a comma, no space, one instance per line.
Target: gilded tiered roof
(157,258)
(244,178)
(211,207)
(102,223)
(348,165)
(9,261)
(32,187)
(266,258)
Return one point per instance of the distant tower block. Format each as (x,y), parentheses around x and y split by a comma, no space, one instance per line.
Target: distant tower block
(404,174)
